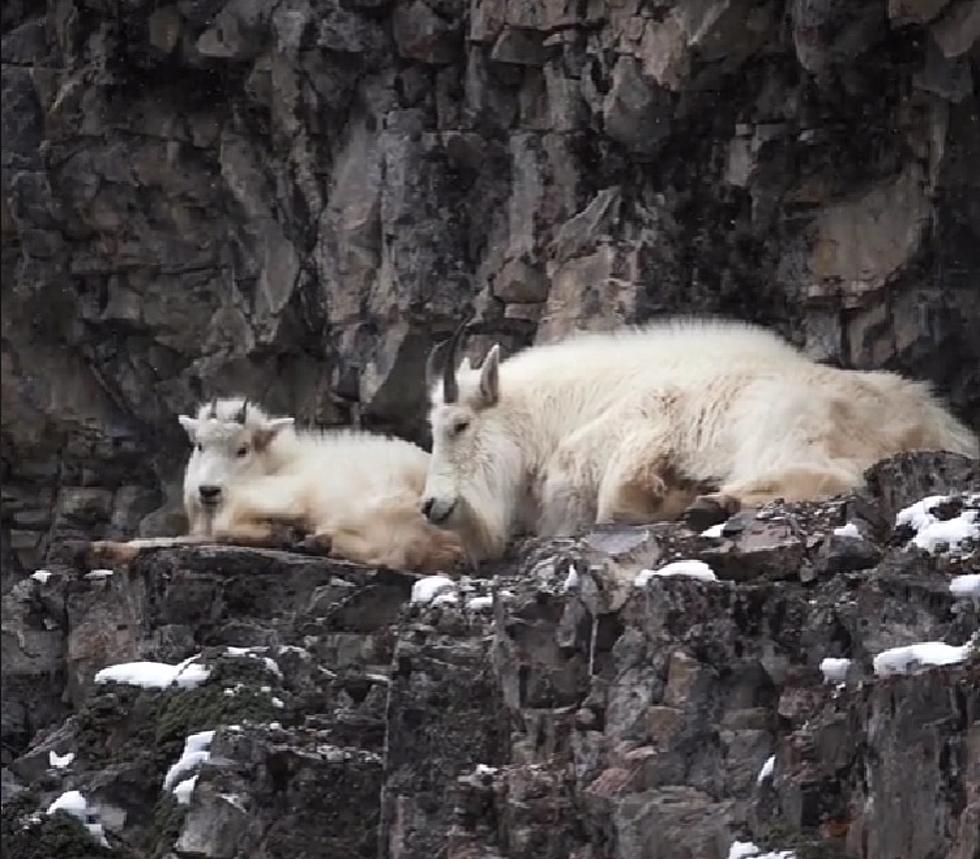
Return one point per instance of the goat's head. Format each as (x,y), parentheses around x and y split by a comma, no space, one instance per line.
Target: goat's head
(463,431)
(231,439)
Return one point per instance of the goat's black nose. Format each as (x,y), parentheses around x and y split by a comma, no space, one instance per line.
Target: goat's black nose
(427,506)
(209,493)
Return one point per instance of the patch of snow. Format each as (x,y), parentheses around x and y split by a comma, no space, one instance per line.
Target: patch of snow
(484,769)
(834,670)
(60,761)
(918,515)
(72,802)
(234,727)
(506,594)
(689,569)
(184,790)
(266,689)
(848,530)
(904,660)
(41,576)
(254,653)
(233,799)
(277,702)
(571,580)
(714,530)
(932,533)
(196,752)
(99,574)
(748,850)
(156,675)
(273,666)
(445,599)
(965,586)
(767,770)
(428,588)
(480,603)
(275,726)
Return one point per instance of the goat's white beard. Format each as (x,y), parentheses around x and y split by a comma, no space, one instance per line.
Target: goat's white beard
(489,507)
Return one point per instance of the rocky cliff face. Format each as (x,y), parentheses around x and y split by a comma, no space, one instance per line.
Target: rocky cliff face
(574,712)
(295,198)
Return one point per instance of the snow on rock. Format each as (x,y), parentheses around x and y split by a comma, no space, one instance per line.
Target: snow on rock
(767,770)
(255,653)
(714,530)
(834,669)
(184,790)
(571,580)
(98,574)
(196,752)
(934,534)
(748,850)
(447,598)
(41,576)
(156,675)
(480,603)
(904,660)
(484,769)
(74,803)
(428,588)
(690,569)
(848,530)
(60,761)
(965,586)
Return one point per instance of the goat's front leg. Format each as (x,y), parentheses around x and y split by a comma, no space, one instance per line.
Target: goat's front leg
(123,552)
(567,496)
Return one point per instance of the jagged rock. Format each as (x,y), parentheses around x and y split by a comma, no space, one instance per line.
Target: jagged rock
(565,706)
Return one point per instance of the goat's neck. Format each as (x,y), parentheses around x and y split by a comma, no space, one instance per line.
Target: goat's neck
(285,450)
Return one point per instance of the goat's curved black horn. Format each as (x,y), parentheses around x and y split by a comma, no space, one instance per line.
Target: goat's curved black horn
(240,417)
(450,389)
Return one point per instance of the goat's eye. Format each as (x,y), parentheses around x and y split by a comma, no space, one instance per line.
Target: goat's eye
(242,451)
(460,426)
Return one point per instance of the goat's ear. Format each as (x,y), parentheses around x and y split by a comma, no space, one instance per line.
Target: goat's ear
(490,377)
(189,424)
(262,436)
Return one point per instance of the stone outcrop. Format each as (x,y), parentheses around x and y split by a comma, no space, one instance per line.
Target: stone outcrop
(294,199)
(550,706)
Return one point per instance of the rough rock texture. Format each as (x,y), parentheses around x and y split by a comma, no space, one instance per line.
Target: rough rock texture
(573,715)
(295,198)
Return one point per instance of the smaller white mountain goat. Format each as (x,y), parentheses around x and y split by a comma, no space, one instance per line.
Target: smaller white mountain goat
(357,493)
(633,426)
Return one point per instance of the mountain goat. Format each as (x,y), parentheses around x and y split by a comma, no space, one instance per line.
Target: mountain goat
(643,424)
(356,492)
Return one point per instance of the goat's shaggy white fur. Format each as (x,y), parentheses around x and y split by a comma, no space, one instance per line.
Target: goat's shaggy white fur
(357,492)
(634,425)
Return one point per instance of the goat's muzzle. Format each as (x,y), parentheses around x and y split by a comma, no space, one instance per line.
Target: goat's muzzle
(437,510)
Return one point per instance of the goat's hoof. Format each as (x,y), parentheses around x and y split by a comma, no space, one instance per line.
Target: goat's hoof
(708,510)
(105,551)
(317,544)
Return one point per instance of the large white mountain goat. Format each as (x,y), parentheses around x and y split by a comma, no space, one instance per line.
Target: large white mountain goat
(636,425)
(357,493)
